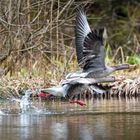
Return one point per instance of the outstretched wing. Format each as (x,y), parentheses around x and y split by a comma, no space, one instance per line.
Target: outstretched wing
(82,29)
(93,50)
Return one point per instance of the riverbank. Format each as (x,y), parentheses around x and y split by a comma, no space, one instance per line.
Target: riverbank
(16,86)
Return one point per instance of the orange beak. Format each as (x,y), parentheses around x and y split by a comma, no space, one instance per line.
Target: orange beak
(43,94)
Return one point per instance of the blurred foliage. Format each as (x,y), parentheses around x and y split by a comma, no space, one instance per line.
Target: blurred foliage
(133,59)
(37,36)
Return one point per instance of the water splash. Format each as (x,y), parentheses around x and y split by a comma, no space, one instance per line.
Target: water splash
(2,113)
(25,102)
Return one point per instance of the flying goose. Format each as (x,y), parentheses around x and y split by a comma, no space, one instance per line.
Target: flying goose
(74,87)
(90,50)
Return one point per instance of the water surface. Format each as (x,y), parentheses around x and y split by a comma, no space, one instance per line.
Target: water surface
(99,119)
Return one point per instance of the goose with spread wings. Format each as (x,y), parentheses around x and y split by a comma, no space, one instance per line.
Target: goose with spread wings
(90,50)
(75,87)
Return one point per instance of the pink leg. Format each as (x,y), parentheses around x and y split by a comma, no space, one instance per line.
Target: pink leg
(79,102)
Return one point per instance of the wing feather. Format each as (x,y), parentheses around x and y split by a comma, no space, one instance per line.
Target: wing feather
(93,50)
(81,30)
(89,44)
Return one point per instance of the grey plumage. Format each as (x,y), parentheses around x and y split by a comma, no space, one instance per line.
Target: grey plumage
(91,58)
(90,50)
(74,87)
(81,31)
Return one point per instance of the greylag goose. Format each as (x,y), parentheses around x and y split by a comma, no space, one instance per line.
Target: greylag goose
(75,87)
(90,50)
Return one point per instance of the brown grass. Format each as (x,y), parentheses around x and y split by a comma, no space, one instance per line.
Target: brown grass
(37,40)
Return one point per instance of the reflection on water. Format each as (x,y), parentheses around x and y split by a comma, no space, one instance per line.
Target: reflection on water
(84,127)
(100,119)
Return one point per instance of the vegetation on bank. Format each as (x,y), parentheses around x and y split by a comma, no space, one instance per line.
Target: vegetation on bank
(37,38)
